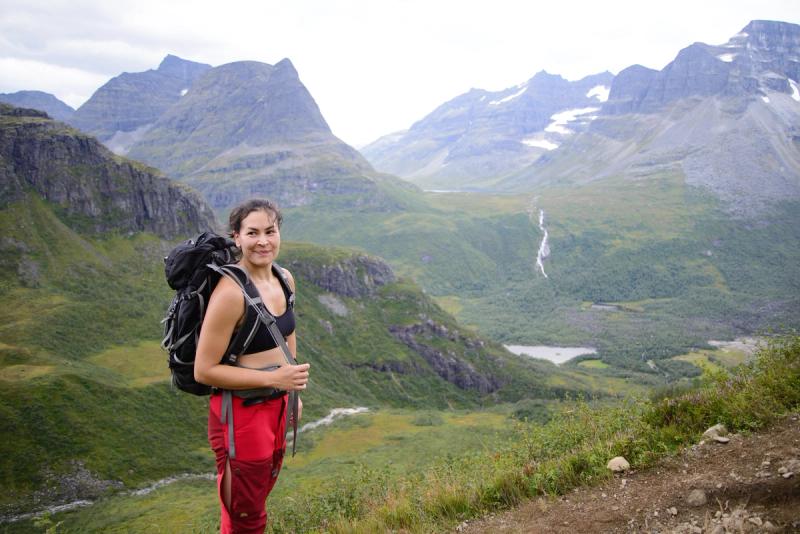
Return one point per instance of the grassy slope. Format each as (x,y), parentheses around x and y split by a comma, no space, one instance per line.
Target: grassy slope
(426,492)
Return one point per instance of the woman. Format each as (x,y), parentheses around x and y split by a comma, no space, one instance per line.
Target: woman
(246,477)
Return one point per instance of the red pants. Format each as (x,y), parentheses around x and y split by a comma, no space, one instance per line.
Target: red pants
(260,441)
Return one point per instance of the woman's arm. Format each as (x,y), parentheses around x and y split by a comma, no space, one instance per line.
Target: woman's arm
(225,308)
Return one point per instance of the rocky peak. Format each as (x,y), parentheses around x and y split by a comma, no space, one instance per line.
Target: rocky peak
(245,103)
(181,68)
(763,57)
(99,191)
(132,101)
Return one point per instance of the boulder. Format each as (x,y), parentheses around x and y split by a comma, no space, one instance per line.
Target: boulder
(618,464)
(717,430)
(697,497)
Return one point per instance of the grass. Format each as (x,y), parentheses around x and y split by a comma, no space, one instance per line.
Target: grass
(94,388)
(387,443)
(466,481)
(141,364)
(593,364)
(572,449)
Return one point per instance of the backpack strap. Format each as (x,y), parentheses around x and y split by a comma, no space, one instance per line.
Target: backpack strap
(281,274)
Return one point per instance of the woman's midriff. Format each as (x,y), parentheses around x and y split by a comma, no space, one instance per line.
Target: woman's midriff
(260,360)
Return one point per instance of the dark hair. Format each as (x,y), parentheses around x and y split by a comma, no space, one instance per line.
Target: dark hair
(246,208)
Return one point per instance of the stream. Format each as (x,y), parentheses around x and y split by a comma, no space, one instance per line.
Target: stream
(334,414)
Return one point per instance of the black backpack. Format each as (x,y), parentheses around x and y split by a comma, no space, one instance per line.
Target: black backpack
(187,272)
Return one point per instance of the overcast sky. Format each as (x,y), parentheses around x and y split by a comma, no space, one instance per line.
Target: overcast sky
(373,66)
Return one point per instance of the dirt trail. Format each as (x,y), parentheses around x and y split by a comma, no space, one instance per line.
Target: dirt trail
(745,483)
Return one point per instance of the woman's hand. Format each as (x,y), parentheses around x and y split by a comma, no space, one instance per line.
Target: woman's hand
(289,377)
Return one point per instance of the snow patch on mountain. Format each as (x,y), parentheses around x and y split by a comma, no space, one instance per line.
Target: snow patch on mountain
(600,92)
(765,99)
(184,91)
(539,143)
(795,90)
(562,118)
(509,98)
(727,58)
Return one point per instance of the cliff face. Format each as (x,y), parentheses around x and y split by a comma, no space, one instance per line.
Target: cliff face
(423,337)
(103,192)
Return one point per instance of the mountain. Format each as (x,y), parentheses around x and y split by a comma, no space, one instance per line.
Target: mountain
(39,100)
(724,117)
(481,136)
(94,189)
(249,128)
(124,108)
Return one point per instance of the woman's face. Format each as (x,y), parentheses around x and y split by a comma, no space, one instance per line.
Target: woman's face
(259,238)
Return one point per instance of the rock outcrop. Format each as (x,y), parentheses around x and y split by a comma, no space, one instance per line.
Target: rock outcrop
(94,188)
(423,339)
(357,276)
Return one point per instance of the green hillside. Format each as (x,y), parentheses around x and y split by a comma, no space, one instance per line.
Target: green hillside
(85,386)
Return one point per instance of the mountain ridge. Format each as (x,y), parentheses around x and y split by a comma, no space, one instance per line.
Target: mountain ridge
(40,100)
(125,106)
(483,135)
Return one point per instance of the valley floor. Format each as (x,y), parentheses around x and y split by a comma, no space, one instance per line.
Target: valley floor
(744,483)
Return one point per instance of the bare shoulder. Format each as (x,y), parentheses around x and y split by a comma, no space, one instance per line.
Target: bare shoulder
(227,294)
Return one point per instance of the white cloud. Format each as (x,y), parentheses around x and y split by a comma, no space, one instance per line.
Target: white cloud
(373,67)
(21,74)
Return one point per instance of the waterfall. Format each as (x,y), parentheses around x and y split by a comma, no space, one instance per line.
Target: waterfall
(544,248)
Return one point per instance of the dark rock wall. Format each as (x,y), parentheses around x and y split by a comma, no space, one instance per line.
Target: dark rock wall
(86,180)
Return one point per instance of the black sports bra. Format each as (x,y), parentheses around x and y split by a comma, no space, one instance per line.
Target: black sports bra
(263,340)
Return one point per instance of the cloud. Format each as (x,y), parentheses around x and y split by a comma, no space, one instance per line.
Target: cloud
(373,67)
(71,85)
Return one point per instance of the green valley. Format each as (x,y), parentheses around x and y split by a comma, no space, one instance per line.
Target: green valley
(677,269)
